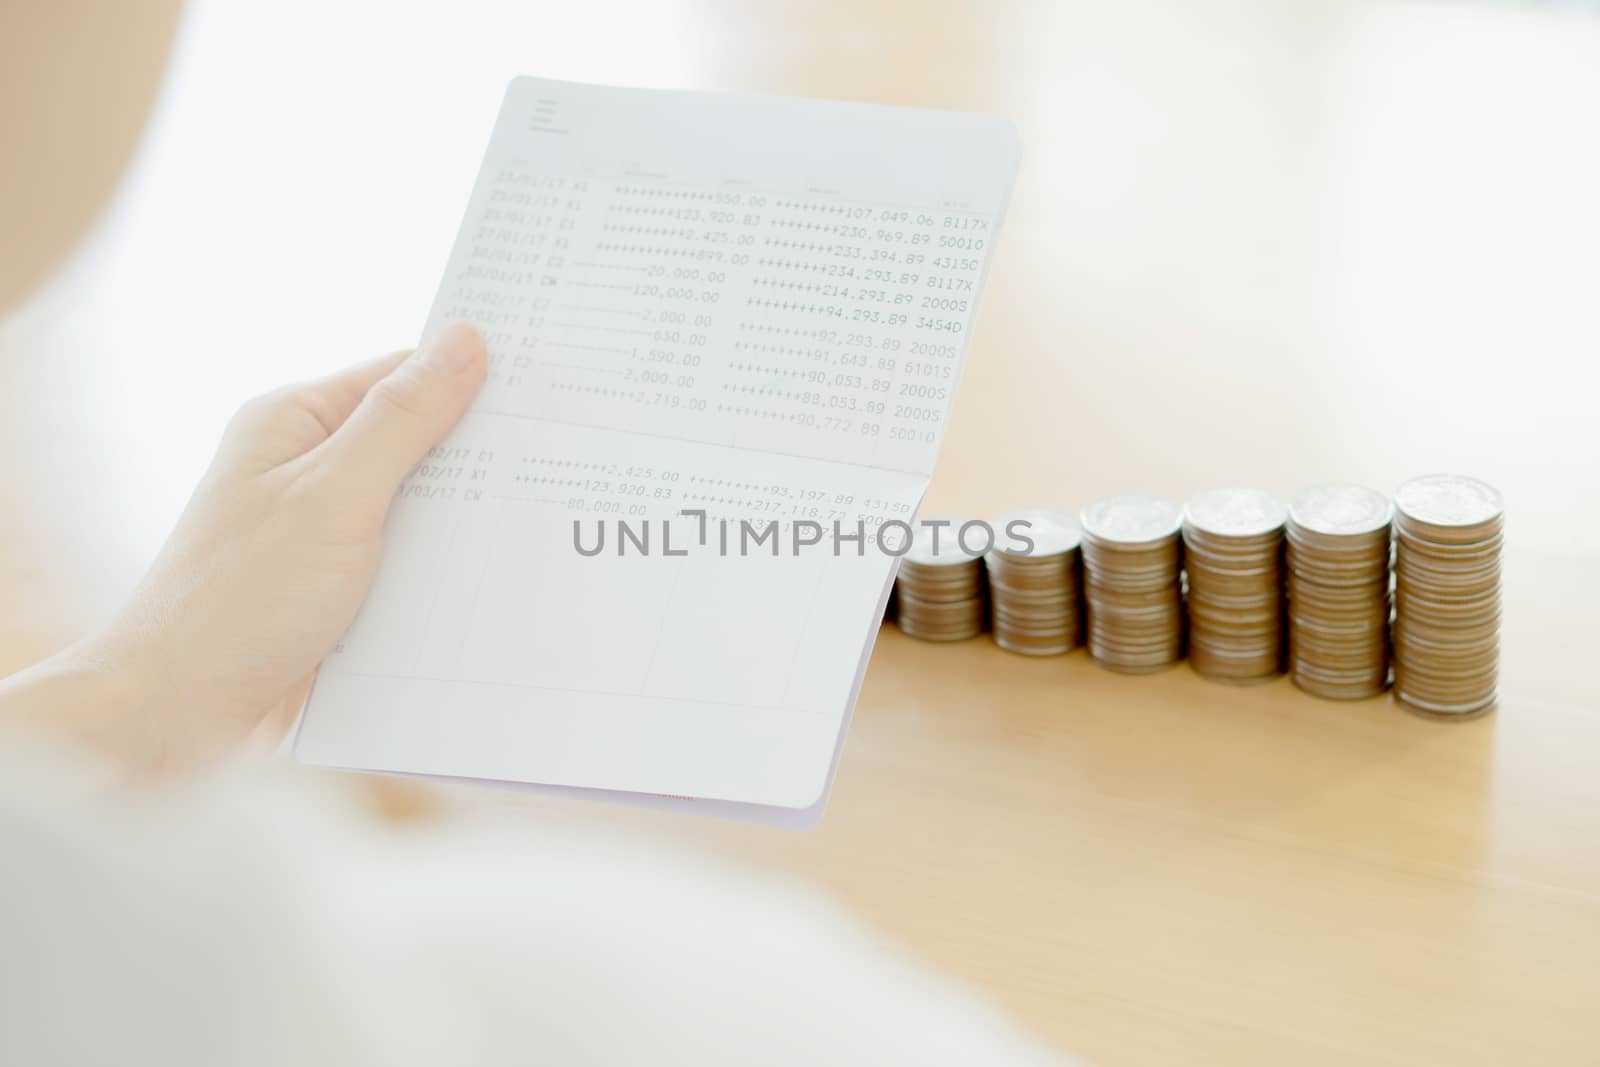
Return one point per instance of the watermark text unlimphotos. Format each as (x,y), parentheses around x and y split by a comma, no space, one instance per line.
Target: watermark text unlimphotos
(770,537)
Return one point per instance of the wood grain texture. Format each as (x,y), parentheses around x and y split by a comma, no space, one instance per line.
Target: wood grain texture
(1252,242)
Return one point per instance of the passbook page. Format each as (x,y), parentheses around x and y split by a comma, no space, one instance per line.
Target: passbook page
(724,335)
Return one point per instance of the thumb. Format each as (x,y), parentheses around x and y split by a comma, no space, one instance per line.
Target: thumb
(406,412)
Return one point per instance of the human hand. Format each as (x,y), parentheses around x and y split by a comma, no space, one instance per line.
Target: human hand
(275,551)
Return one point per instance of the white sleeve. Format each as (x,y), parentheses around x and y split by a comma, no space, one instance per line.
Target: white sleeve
(266,918)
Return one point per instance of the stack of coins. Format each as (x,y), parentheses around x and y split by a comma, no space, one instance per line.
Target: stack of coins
(1448,531)
(1132,563)
(1233,554)
(1338,556)
(939,593)
(1033,582)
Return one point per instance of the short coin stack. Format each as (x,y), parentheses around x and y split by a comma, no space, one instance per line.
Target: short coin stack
(1448,531)
(940,590)
(1233,553)
(1339,591)
(1033,581)
(1132,561)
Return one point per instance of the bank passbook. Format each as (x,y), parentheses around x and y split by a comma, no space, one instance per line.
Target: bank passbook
(724,335)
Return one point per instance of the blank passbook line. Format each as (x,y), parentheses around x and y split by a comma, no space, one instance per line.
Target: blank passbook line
(570,689)
(693,441)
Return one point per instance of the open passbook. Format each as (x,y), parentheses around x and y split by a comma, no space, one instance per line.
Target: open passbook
(724,335)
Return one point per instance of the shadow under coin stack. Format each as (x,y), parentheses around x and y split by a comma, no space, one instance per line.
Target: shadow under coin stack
(939,593)
(1132,559)
(1034,593)
(1233,553)
(1448,531)
(1339,591)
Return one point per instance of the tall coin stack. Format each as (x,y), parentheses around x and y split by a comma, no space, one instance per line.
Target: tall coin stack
(940,590)
(1339,591)
(1132,562)
(1033,583)
(1233,553)
(1448,531)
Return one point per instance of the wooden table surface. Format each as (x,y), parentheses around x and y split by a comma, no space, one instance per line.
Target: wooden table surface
(1266,243)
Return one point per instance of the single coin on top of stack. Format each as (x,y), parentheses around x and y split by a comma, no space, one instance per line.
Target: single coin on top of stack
(1448,533)
(1033,581)
(939,593)
(1132,566)
(1338,556)
(1233,554)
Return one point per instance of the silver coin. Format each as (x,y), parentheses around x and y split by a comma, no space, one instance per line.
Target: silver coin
(1052,532)
(1449,500)
(1132,519)
(1341,510)
(939,544)
(1235,512)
